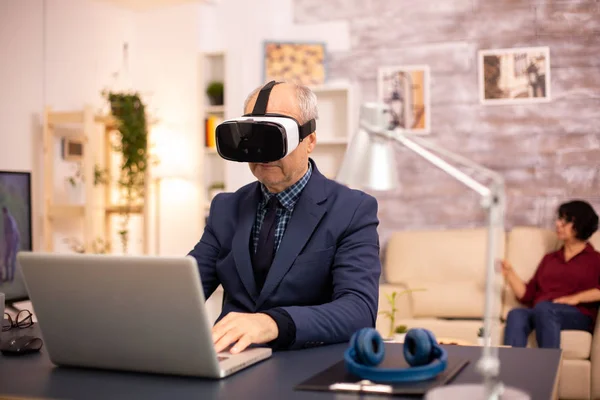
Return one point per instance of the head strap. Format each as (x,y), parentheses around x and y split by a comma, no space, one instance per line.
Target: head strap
(260,107)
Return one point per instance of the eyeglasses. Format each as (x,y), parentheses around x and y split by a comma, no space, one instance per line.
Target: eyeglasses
(24,320)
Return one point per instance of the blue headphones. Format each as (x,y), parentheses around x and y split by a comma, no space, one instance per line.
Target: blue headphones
(421,351)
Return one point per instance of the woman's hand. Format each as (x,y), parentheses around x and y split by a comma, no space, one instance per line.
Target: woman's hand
(516,284)
(572,300)
(506,268)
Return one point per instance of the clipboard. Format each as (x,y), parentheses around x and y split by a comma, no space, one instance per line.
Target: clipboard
(337,379)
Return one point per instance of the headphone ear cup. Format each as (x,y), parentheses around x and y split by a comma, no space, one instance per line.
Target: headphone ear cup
(418,347)
(368,347)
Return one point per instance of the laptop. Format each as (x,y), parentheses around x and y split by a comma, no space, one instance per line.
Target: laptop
(129,313)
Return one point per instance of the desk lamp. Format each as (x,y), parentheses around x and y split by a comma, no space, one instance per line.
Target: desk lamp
(369,163)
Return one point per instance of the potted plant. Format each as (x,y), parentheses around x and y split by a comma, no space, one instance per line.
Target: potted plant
(400,333)
(215,93)
(129,112)
(480,338)
(391,315)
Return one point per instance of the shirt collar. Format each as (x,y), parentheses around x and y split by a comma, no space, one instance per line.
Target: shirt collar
(560,253)
(289,196)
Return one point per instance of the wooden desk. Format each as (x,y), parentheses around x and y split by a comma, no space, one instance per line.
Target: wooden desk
(532,370)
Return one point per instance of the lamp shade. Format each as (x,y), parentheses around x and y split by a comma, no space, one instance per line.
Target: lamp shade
(369,161)
(379,169)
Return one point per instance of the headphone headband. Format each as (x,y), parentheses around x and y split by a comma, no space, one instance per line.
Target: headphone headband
(421,351)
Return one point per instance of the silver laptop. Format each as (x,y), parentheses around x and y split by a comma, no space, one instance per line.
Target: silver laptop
(133,313)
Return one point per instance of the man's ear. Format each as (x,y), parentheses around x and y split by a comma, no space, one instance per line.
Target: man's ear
(311,142)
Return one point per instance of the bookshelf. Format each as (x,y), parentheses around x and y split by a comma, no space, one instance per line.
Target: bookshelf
(335,125)
(96,203)
(212,69)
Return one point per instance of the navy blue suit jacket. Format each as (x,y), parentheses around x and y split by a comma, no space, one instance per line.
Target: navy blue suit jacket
(325,274)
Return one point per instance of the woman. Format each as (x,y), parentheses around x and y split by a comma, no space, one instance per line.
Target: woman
(564,292)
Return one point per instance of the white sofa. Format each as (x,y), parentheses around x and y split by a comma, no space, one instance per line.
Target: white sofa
(450,266)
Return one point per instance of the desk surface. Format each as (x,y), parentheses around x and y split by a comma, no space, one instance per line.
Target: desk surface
(34,376)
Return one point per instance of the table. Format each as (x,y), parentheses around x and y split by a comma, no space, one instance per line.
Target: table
(34,376)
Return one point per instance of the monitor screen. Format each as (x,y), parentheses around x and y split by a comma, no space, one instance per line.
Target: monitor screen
(15,231)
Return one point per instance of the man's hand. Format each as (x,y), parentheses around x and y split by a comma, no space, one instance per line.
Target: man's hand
(572,300)
(243,330)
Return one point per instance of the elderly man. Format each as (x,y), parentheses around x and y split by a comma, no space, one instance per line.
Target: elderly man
(12,241)
(297,254)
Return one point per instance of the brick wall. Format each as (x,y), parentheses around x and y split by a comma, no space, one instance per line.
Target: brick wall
(547,152)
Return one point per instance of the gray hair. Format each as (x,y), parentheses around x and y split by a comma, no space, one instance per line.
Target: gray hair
(306,98)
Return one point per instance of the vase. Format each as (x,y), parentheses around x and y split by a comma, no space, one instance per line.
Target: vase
(399,337)
(216,100)
(481,341)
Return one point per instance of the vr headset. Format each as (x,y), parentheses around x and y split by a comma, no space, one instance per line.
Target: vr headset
(260,137)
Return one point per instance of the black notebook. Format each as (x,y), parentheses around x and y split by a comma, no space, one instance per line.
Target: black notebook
(337,379)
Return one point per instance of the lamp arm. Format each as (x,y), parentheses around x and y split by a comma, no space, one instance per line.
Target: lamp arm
(457,158)
(437,161)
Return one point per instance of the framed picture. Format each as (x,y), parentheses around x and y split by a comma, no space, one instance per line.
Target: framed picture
(295,62)
(406,90)
(512,76)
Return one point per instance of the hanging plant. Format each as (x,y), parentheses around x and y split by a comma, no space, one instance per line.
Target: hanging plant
(129,112)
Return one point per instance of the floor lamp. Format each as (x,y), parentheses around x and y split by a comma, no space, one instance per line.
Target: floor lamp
(370,163)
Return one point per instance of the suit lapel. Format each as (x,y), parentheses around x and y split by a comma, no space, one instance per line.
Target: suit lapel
(307,214)
(241,241)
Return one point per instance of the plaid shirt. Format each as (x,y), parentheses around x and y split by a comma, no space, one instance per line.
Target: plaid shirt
(288,199)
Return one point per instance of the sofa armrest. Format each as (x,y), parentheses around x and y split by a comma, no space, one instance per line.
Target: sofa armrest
(403,306)
(595,360)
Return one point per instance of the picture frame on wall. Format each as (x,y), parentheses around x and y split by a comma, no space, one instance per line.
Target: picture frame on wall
(514,75)
(406,91)
(299,62)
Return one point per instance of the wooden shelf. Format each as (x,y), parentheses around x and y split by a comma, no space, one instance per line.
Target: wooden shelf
(76,117)
(57,211)
(332,141)
(139,209)
(330,87)
(215,109)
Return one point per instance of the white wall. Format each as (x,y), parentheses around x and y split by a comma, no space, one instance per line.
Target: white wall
(62,53)
(21,78)
(165,57)
(57,53)
(239,28)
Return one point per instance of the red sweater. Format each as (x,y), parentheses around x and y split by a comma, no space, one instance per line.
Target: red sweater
(556,277)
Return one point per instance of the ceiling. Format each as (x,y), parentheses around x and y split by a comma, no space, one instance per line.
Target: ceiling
(141,5)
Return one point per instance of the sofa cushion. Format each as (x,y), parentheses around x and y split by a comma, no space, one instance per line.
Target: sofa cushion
(576,345)
(525,248)
(575,379)
(448,264)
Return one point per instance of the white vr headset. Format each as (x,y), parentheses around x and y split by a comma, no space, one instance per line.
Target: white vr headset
(260,137)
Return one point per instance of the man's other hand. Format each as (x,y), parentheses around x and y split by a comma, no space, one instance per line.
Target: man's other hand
(242,330)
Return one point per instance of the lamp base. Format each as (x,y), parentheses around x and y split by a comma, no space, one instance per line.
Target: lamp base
(473,392)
